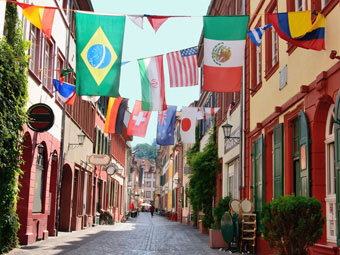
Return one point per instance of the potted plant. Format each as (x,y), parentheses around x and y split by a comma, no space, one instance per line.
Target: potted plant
(215,234)
(292,223)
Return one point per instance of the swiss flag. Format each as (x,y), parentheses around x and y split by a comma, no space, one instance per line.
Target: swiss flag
(188,124)
(139,120)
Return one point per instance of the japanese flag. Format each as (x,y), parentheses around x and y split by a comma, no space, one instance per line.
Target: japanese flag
(188,124)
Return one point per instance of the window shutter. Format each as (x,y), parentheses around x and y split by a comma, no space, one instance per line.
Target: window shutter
(278,160)
(182,197)
(337,161)
(304,151)
(259,202)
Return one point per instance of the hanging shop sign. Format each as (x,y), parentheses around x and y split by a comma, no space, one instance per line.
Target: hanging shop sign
(99,160)
(40,117)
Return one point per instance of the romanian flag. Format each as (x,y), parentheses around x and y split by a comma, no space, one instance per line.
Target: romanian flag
(40,16)
(298,29)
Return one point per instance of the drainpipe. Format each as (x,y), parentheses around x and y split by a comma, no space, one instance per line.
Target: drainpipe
(242,116)
(62,137)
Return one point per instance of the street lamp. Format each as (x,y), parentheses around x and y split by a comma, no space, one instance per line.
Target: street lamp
(227,132)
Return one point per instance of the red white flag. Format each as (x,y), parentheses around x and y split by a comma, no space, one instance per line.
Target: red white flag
(188,124)
(156,21)
(183,68)
(138,121)
(210,111)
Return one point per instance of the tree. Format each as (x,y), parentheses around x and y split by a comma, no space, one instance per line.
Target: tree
(144,150)
(13,99)
(292,223)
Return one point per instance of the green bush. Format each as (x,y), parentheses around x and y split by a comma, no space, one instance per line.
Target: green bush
(13,98)
(292,223)
(222,207)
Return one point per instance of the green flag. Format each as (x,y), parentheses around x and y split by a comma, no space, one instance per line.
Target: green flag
(99,41)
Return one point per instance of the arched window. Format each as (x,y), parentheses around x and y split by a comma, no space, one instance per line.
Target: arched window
(330,178)
(39,182)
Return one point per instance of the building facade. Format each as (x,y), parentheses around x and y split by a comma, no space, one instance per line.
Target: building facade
(291,139)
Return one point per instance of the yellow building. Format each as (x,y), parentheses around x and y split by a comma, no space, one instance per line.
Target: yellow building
(289,109)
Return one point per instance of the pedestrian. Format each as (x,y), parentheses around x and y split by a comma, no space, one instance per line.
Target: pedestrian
(152,209)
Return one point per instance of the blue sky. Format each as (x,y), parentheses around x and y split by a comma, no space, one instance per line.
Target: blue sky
(174,34)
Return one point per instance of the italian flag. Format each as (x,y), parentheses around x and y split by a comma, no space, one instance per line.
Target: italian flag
(224,46)
(152,79)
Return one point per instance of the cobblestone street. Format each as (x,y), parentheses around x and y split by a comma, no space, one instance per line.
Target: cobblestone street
(141,235)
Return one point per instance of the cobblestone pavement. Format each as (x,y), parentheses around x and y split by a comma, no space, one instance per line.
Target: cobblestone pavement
(144,235)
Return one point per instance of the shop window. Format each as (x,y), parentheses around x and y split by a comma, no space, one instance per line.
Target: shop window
(39,183)
(330,178)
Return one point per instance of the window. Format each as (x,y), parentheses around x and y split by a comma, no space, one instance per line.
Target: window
(272,52)
(230,182)
(148,194)
(154,184)
(102,105)
(256,62)
(148,175)
(48,58)
(34,64)
(39,183)
(148,184)
(330,178)
(300,5)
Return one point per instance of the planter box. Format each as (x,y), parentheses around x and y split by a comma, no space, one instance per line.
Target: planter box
(216,239)
(202,229)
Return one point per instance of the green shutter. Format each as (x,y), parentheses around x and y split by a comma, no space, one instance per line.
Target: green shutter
(337,162)
(304,152)
(253,158)
(109,148)
(260,174)
(278,160)
(182,197)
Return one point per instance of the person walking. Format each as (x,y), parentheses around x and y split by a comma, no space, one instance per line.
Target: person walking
(152,210)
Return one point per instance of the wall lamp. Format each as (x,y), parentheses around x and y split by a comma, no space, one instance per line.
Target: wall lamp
(41,148)
(333,55)
(227,132)
(54,156)
(81,138)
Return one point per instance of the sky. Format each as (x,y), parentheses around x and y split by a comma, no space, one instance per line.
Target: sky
(175,34)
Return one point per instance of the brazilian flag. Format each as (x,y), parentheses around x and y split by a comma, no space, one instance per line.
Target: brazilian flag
(99,41)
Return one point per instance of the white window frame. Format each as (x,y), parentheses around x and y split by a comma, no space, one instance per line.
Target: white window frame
(275,42)
(258,65)
(331,222)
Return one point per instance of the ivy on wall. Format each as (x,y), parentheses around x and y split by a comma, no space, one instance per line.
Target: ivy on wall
(13,99)
(202,185)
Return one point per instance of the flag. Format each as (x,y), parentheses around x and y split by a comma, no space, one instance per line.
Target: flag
(166,126)
(120,116)
(256,34)
(224,46)
(188,124)
(231,106)
(137,19)
(99,52)
(111,114)
(152,81)
(200,113)
(65,91)
(40,16)
(298,29)
(210,111)
(139,120)
(156,21)
(92,99)
(63,73)
(183,68)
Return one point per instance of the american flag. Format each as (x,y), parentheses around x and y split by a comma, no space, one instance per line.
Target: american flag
(183,69)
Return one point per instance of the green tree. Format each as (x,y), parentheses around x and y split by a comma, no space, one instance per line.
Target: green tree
(13,99)
(292,223)
(202,185)
(144,150)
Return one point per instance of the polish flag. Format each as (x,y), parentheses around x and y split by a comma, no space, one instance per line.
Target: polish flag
(138,121)
(188,124)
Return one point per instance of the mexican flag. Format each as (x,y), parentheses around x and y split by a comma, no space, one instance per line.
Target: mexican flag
(152,80)
(224,47)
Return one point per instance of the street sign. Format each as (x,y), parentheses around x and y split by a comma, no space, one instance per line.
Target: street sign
(40,117)
(99,160)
